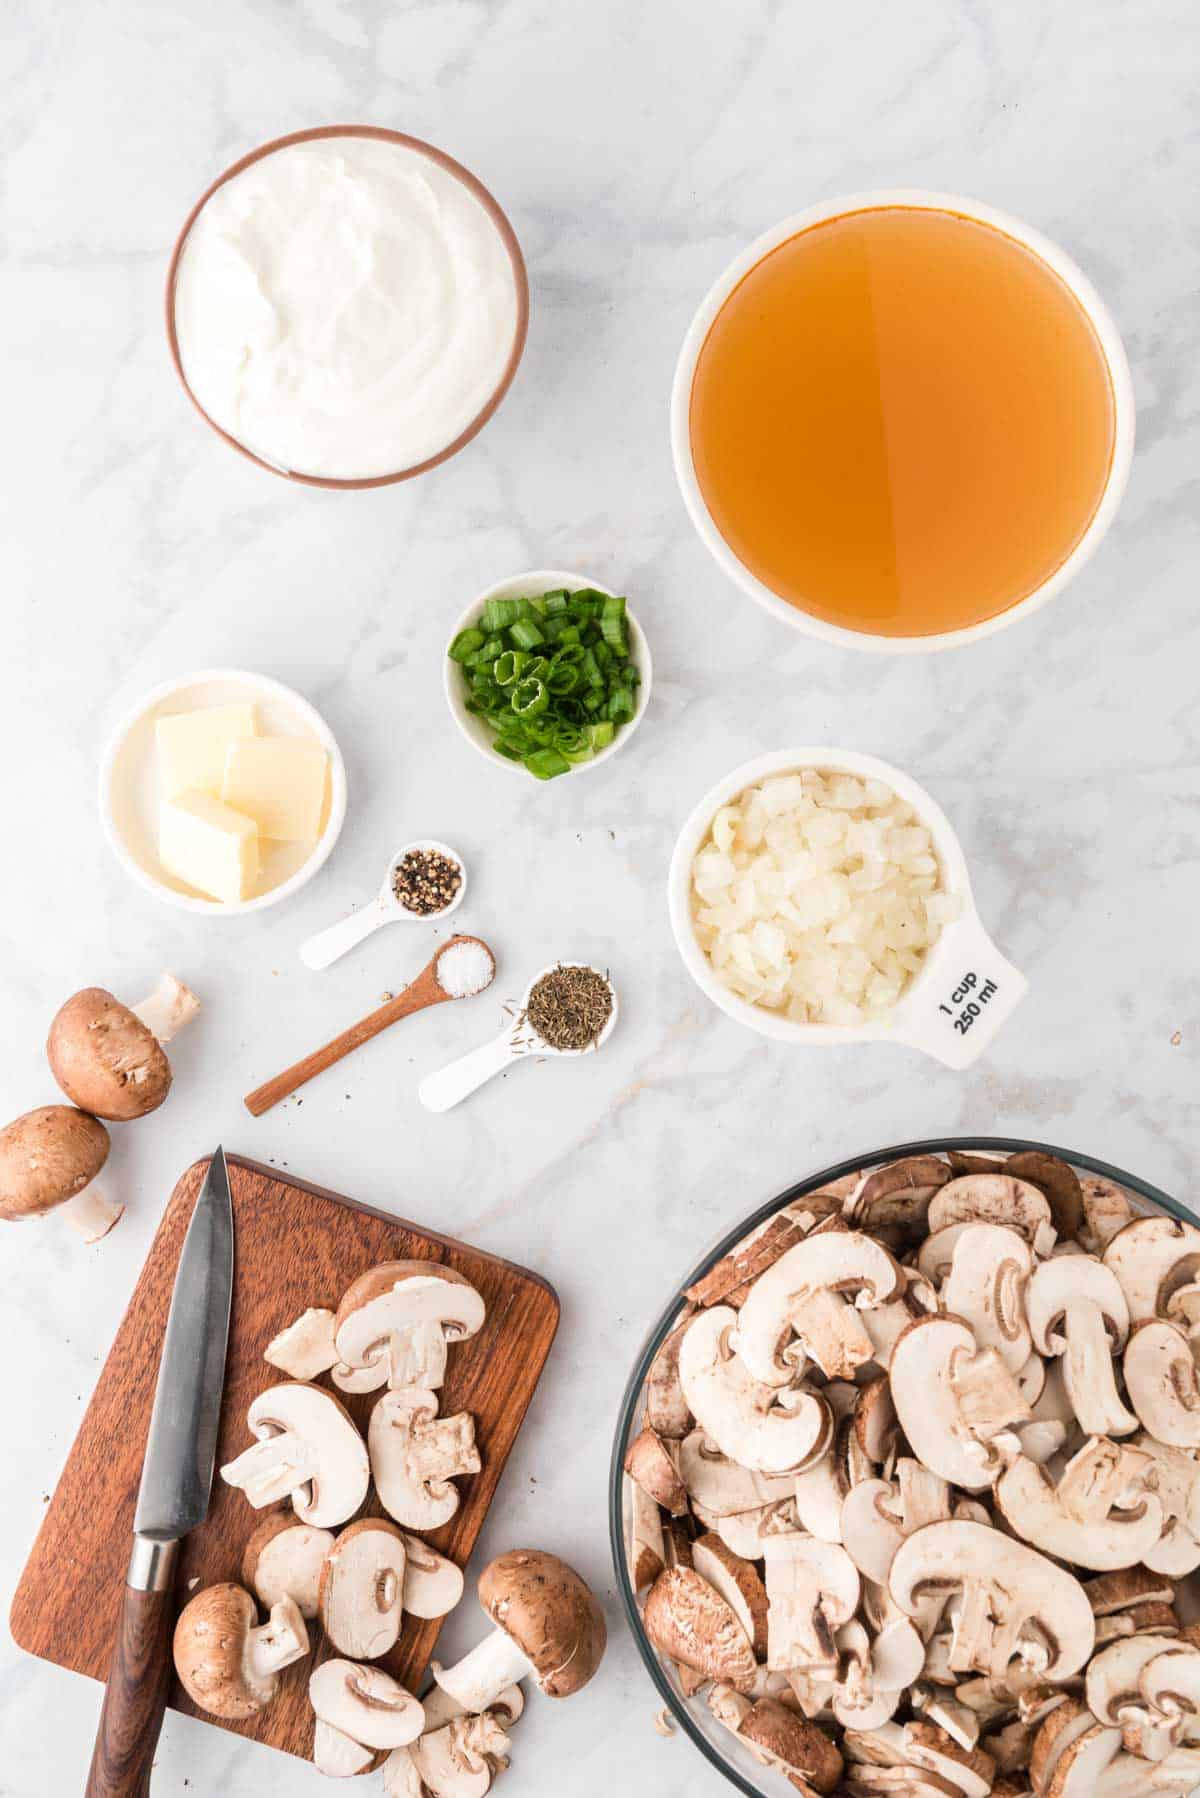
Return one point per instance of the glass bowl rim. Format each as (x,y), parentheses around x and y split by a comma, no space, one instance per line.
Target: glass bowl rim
(676,1705)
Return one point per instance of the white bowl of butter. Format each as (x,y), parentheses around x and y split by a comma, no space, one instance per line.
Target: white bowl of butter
(222,792)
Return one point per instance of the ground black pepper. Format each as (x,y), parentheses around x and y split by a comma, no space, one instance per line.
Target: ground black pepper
(569,1007)
(425,881)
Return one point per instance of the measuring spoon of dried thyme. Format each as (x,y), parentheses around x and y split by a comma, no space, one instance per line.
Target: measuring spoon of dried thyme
(425,880)
(568,1009)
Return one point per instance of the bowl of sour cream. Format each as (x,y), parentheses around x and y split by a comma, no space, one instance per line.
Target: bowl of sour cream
(347,306)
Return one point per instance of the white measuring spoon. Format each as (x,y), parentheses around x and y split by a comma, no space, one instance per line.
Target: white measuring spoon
(322,950)
(519,1042)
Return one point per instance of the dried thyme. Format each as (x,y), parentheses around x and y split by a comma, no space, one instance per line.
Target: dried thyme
(569,1007)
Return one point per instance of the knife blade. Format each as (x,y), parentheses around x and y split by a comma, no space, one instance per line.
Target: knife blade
(181,1446)
(173,1498)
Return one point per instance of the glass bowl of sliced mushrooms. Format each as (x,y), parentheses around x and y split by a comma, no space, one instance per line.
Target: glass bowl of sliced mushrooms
(905,1493)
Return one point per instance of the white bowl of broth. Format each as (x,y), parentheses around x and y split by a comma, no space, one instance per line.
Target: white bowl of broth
(902,420)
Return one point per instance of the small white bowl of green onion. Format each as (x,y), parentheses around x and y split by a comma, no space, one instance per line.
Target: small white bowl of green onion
(548,673)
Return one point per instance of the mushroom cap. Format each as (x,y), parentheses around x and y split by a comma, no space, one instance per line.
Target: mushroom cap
(46,1157)
(989,1268)
(550,1613)
(1151,1257)
(1163,1383)
(389,1299)
(921,1374)
(105,1059)
(366,1704)
(283,1559)
(433,1585)
(1068,1280)
(738,1582)
(1057,1181)
(838,1261)
(990,1199)
(688,1620)
(211,1659)
(793,1743)
(756,1424)
(943,1556)
(343,1472)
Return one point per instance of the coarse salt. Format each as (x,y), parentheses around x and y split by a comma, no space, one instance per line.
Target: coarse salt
(465,968)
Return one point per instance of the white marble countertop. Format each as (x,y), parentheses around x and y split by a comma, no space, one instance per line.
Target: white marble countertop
(637,148)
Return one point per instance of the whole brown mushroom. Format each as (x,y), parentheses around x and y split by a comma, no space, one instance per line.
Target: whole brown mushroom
(49,1159)
(228,1663)
(108,1057)
(548,1623)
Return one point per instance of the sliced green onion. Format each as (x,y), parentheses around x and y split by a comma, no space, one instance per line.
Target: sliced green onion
(465,644)
(601,735)
(498,614)
(526,634)
(530,697)
(546,763)
(509,666)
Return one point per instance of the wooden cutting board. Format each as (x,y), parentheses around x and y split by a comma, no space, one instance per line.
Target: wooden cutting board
(295,1245)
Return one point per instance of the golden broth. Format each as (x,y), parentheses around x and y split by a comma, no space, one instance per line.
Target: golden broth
(902,421)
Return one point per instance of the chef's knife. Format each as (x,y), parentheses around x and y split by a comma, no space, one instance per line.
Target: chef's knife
(177,1475)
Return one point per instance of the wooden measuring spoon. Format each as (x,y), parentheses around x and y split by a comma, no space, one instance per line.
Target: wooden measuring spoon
(424,991)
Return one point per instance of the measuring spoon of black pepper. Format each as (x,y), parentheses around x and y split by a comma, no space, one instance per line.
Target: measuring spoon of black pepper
(327,946)
(519,1042)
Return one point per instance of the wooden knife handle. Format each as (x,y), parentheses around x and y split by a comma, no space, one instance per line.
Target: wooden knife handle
(135,1698)
(423,991)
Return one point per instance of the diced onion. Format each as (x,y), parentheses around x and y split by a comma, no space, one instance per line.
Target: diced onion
(819,895)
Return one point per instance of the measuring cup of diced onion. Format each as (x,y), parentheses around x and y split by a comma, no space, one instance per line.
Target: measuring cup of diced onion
(820,896)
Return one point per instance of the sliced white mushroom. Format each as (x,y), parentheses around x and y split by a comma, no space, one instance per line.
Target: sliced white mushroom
(337,1756)
(1100,1515)
(753,1423)
(461,1759)
(1112,1687)
(743,1531)
(666,1411)
(308,1450)
(871,1529)
(433,1585)
(416,1456)
(814,1292)
(395,1322)
(1014,1602)
(362,1589)
(306,1348)
(440,1708)
(652,1464)
(366,1704)
(1153,1257)
(1174,1477)
(952,1401)
(723,1487)
(812,1589)
(986,1284)
(283,1559)
(1163,1382)
(1078,1311)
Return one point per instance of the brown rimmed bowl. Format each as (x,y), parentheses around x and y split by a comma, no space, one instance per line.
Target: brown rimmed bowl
(720,1748)
(490,205)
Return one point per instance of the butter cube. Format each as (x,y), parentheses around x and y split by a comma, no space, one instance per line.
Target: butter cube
(280,783)
(209,845)
(192,747)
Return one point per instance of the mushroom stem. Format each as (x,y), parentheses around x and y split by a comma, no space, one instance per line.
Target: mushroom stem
(478,1679)
(271,1470)
(91,1213)
(278,1642)
(168,1008)
(1088,1372)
